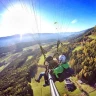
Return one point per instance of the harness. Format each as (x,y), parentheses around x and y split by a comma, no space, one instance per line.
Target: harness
(60,69)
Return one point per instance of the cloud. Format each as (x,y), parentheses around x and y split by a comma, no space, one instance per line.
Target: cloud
(74,21)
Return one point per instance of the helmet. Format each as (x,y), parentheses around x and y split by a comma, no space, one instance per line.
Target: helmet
(49,58)
(62,58)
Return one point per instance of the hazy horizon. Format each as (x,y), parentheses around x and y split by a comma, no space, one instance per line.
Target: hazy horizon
(43,33)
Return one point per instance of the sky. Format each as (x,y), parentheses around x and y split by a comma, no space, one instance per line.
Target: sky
(46,16)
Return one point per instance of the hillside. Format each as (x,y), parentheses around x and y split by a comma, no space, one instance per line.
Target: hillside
(18,66)
(34,38)
(72,50)
(83,58)
(15,76)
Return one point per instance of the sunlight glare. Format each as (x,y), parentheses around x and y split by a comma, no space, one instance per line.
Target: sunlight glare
(18,20)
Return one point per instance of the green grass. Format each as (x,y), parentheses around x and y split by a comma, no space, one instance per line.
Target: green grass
(92,93)
(77,48)
(87,87)
(65,43)
(1,68)
(61,88)
(31,47)
(90,90)
(45,46)
(29,57)
(6,58)
(41,60)
(92,37)
(45,91)
(27,48)
(39,89)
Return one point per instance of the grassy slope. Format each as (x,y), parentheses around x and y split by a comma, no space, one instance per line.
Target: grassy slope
(77,48)
(92,37)
(87,88)
(28,58)
(16,72)
(38,87)
(8,59)
(1,68)
(45,91)
(92,93)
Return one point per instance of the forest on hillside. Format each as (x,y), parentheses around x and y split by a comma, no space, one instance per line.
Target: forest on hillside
(22,63)
(83,57)
(17,67)
(15,77)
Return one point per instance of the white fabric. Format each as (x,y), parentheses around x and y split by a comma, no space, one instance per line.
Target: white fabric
(62,58)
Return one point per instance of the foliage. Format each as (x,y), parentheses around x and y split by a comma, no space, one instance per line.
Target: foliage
(15,77)
(83,61)
(92,36)
(22,67)
(77,48)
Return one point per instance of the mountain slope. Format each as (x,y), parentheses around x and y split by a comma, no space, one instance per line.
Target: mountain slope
(42,37)
(83,58)
(15,77)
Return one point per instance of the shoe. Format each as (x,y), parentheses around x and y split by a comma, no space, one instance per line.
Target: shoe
(37,81)
(45,85)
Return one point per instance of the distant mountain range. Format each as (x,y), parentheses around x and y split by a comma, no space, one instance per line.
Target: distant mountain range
(40,37)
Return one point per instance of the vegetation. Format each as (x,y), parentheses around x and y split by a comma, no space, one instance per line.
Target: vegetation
(84,60)
(18,66)
(28,58)
(15,77)
(77,48)
(1,68)
(92,37)
(21,67)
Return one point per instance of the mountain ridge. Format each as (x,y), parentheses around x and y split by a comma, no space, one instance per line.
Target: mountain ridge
(9,40)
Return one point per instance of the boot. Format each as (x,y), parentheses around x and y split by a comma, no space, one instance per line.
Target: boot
(37,80)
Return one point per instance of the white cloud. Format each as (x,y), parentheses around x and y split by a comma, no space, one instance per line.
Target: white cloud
(74,21)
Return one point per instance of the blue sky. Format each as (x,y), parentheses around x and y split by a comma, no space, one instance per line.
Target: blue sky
(19,17)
